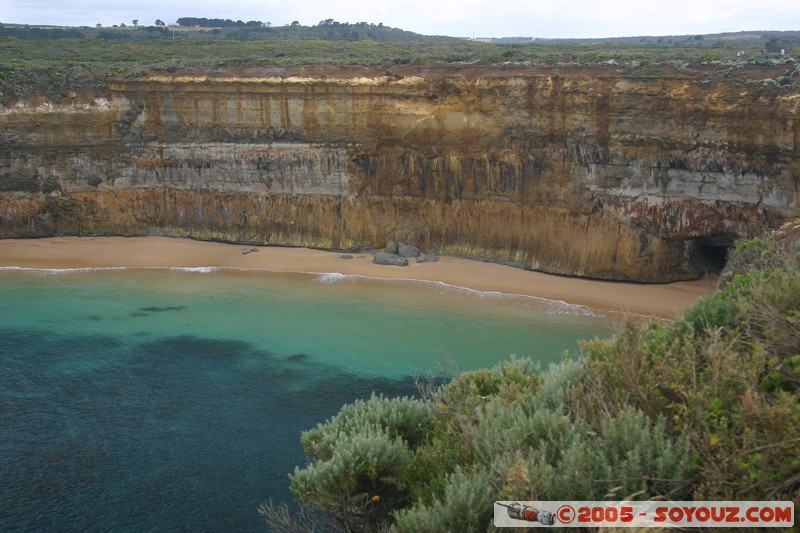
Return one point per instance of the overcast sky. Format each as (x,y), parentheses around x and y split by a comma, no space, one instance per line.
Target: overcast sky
(460,18)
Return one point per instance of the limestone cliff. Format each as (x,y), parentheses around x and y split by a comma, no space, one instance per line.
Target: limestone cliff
(589,172)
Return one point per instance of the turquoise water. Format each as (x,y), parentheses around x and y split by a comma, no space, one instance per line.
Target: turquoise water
(172,400)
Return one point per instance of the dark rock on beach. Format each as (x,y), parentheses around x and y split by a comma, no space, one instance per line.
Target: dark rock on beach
(384,258)
(406,250)
(430,257)
(401,249)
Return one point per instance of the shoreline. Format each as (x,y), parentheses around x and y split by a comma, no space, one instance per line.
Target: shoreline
(50,253)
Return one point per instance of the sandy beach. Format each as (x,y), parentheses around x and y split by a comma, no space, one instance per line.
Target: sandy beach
(665,301)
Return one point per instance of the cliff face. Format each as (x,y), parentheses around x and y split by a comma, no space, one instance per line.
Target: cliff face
(582,172)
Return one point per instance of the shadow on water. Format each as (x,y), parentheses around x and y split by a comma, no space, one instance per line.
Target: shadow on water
(180,433)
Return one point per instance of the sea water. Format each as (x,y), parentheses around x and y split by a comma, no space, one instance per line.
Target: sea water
(174,399)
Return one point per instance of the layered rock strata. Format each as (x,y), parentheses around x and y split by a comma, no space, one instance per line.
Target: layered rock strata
(587,172)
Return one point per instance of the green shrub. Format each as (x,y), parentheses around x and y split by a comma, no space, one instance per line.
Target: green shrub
(644,458)
(359,459)
(725,376)
(564,458)
(466,505)
(774,317)
(559,384)
(748,255)
(359,483)
(403,418)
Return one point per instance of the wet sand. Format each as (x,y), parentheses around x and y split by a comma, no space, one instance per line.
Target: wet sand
(665,301)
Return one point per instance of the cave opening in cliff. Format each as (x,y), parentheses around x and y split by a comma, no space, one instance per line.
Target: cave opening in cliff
(709,255)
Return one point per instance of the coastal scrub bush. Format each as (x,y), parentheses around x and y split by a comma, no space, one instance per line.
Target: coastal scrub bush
(457,407)
(465,505)
(359,483)
(278,517)
(533,448)
(456,404)
(774,313)
(404,418)
(725,375)
(358,459)
(630,457)
(750,254)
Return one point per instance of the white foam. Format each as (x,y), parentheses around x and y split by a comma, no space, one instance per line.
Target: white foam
(556,307)
(550,306)
(331,277)
(200,270)
(55,271)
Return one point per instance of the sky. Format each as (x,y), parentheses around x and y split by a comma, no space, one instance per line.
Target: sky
(457,18)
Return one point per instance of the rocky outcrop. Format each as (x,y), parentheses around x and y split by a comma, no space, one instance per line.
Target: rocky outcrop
(389,258)
(589,172)
(402,249)
(396,254)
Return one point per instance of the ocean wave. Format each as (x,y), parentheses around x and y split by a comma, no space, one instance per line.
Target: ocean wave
(199,270)
(55,271)
(556,307)
(331,277)
(550,306)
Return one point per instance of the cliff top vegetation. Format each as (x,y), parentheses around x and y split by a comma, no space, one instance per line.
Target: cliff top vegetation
(58,62)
